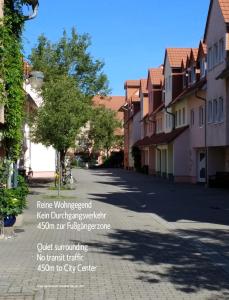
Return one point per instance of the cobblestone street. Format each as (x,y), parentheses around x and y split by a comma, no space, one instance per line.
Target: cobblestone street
(166,241)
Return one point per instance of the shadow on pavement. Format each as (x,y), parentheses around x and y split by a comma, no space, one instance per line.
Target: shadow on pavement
(172,260)
(172,202)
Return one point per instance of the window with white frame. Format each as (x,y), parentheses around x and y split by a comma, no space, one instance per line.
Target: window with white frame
(202,67)
(215,111)
(159,125)
(201,116)
(192,117)
(179,117)
(215,54)
(210,58)
(209,111)
(183,116)
(176,118)
(221,50)
(221,110)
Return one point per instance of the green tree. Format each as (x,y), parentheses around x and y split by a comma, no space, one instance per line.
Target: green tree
(70,57)
(103,129)
(72,79)
(62,114)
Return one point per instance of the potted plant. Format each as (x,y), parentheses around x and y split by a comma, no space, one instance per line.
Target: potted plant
(13,202)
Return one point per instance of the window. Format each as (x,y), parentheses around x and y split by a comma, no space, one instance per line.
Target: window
(193,74)
(159,125)
(202,67)
(221,50)
(201,116)
(215,54)
(167,122)
(183,116)
(176,118)
(210,58)
(209,111)
(192,117)
(221,110)
(179,117)
(215,111)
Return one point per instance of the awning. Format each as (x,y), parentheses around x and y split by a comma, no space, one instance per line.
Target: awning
(161,138)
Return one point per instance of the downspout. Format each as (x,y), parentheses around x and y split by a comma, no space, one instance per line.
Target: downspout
(156,146)
(205,137)
(174,117)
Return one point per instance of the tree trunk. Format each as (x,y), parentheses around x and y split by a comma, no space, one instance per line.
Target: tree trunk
(62,164)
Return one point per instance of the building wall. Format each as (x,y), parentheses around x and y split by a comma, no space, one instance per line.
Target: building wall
(41,159)
(136,133)
(168,74)
(152,160)
(181,156)
(197,133)
(216,135)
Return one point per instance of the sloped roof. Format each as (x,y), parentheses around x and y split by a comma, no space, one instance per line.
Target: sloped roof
(143,83)
(202,49)
(195,53)
(156,75)
(132,83)
(111,102)
(176,55)
(161,138)
(224,5)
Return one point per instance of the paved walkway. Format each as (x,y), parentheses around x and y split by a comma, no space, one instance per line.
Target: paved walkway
(166,241)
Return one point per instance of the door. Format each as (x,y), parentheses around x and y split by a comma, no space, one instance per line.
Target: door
(202,166)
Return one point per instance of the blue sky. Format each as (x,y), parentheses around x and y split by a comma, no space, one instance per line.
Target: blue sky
(130,36)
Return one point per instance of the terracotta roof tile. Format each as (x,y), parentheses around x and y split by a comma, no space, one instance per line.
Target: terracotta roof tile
(111,102)
(224,5)
(132,83)
(176,55)
(195,52)
(161,138)
(143,83)
(156,75)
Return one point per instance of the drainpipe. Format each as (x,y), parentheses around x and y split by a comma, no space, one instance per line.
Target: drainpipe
(173,115)
(160,157)
(205,137)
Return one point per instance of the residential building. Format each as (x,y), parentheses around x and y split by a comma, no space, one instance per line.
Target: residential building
(217,40)
(36,157)
(189,110)
(132,130)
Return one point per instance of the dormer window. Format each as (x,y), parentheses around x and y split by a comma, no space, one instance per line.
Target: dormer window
(202,67)
(193,74)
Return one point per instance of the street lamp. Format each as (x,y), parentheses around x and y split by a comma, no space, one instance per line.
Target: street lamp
(35,5)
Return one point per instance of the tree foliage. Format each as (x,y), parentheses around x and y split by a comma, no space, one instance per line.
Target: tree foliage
(104,125)
(70,57)
(11,72)
(72,79)
(62,114)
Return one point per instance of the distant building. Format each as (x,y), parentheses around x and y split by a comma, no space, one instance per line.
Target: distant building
(36,157)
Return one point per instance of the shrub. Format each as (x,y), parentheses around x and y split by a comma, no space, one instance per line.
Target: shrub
(13,201)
